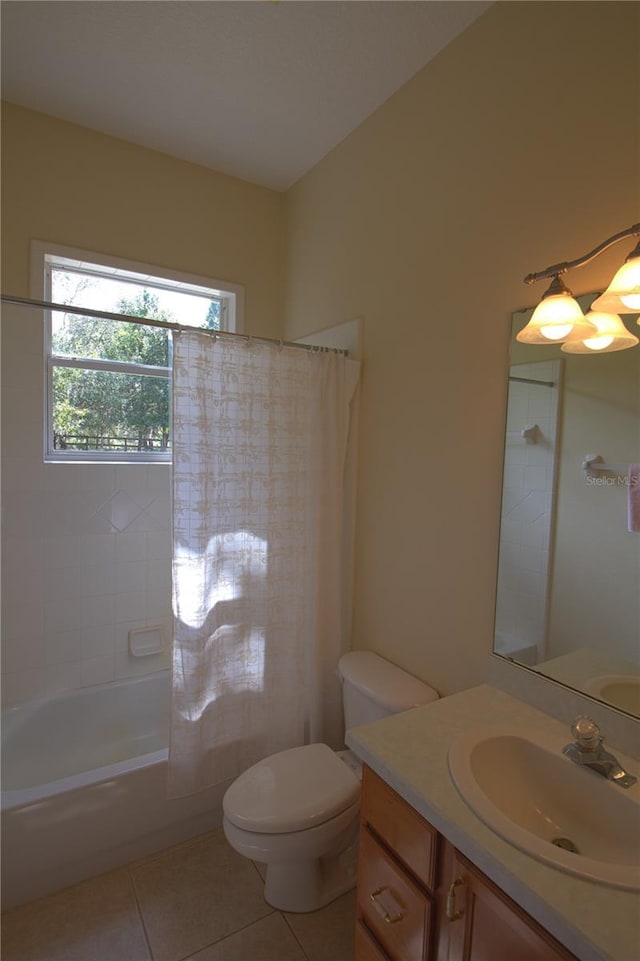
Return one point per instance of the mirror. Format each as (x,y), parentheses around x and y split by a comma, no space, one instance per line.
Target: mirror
(568,595)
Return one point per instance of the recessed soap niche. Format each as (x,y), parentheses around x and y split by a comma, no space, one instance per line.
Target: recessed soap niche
(144,641)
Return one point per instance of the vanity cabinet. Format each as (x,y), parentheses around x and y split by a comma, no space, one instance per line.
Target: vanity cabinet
(419,899)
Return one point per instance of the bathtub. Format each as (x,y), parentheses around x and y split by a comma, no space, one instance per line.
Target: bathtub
(84,786)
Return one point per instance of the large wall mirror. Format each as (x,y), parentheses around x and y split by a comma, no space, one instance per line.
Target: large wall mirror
(568,598)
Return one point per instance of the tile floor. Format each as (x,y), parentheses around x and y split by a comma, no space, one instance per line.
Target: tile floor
(197,901)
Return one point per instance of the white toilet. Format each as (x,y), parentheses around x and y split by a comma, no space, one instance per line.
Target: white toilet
(297,811)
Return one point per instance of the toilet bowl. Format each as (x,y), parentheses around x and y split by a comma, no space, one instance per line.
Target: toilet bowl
(297,811)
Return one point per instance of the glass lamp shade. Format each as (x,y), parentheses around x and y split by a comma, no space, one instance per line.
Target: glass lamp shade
(622,296)
(556,318)
(611,335)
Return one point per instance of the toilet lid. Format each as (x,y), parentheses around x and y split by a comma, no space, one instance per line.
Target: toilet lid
(291,790)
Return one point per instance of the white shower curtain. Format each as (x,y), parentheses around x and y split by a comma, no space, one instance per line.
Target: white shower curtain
(262,483)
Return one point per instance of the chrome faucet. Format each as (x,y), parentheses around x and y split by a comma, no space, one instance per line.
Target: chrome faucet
(588,751)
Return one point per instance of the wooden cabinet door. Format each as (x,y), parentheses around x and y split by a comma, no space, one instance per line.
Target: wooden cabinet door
(483,924)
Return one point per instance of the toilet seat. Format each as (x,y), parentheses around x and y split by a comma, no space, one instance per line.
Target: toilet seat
(291,791)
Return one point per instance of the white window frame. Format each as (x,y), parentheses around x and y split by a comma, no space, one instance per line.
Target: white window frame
(46,255)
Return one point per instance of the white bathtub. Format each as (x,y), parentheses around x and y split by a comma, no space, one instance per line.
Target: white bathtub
(84,786)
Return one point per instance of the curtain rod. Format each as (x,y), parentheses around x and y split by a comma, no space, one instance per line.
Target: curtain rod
(166,325)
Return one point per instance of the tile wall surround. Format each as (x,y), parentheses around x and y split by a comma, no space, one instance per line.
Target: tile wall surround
(86,548)
(86,559)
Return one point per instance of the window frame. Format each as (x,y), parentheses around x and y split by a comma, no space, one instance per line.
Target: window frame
(45,257)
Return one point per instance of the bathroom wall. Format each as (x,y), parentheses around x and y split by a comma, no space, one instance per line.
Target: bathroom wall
(86,548)
(71,185)
(516,147)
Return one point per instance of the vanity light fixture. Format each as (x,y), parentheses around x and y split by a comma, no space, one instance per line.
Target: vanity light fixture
(558,318)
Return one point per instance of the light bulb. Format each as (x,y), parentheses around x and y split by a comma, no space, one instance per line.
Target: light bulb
(632,301)
(597,343)
(556,331)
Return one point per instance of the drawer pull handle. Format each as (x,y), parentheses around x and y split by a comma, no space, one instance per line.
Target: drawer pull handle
(452,913)
(389,919)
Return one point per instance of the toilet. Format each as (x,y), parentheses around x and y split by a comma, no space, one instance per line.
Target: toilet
(297,811)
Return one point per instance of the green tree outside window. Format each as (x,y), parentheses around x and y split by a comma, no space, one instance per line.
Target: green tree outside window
(102,409)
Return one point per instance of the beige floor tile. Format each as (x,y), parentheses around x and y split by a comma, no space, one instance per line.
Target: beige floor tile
(195,894)
(267,940)
(327,935)
(97,920)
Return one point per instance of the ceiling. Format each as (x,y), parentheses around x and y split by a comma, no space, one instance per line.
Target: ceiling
(259,90)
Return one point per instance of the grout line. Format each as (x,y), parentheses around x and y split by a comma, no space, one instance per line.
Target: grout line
(230,934)
(140,913)
(286,921)
(257,870)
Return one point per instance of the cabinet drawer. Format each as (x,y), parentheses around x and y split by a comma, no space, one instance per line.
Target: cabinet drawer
(411,838)
(390,904)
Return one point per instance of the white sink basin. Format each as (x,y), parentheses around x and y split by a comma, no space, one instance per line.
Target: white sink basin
(533,796)
(620,690)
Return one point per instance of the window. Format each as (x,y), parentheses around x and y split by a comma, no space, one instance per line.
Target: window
(108,395)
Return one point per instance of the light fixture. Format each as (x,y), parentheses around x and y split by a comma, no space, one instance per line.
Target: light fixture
(558,318)
(622,296)
(611,335)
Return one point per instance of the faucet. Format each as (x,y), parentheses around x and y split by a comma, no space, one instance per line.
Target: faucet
(587,750)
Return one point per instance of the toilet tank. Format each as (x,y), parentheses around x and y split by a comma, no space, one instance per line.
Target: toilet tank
(373,687)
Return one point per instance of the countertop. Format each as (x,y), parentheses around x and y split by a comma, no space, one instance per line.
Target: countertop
(409,750)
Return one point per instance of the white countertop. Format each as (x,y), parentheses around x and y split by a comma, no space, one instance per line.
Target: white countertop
(409,750)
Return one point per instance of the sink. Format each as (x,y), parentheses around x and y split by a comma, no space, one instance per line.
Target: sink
(535,798)
(619,690)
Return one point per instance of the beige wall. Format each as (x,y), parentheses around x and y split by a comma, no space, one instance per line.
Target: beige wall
(517,147)
(67,184)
